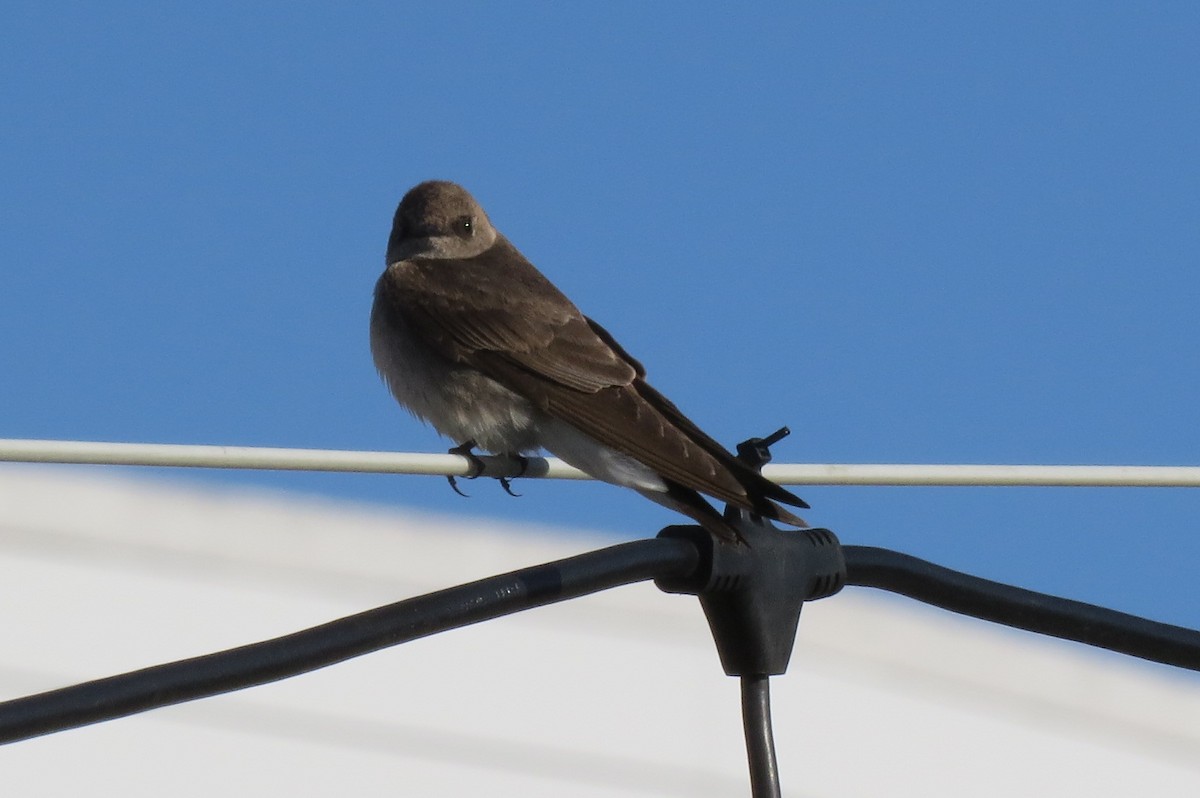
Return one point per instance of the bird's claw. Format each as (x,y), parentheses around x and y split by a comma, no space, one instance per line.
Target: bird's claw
(465,450)
(506,482)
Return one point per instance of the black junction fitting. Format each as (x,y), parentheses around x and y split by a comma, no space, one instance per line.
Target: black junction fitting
(752,591)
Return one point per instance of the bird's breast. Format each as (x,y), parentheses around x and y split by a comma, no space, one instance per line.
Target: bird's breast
(460,402)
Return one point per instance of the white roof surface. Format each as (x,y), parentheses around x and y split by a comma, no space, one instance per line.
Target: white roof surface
(620,693)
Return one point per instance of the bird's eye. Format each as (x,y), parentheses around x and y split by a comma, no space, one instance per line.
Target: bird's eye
(464,227)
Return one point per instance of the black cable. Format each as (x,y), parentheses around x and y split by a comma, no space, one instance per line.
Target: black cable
(313,648)
(760,741)
(667,557)
(1023,609)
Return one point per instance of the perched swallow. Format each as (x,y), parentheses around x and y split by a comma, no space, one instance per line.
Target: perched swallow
(470,337)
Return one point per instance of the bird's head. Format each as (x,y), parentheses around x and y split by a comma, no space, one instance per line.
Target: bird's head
(439,219)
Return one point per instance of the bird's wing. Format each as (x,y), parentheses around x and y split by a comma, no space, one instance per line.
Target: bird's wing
(504,318)
(498,302)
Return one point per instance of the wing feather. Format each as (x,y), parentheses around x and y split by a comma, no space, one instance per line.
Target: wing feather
(499,314)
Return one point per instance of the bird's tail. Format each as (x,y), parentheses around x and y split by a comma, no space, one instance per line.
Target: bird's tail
(694,506)
(769,509)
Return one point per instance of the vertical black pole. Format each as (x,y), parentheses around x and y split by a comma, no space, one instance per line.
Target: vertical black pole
(760,742)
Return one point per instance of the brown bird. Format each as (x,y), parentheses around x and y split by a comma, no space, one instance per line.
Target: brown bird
(470,337)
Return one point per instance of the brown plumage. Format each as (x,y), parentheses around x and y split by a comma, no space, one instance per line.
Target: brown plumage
(471,337)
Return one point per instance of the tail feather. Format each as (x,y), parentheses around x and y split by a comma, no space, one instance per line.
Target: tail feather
(758,485)
(693,505)
(782,515)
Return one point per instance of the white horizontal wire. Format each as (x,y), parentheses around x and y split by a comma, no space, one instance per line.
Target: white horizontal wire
(256,457)
(1113,476)
(195,456)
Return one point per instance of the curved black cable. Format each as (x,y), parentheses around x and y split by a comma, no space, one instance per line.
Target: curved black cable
(868,566)
(270,660)
(760,741)
(359,634)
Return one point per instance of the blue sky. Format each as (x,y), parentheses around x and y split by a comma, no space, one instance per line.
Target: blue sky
(918,232)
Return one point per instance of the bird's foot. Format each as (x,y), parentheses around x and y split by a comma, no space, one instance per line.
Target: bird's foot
(506,482)
(466,450)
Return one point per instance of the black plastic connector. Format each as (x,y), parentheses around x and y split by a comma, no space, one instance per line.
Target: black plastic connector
(752,593)
(756,452)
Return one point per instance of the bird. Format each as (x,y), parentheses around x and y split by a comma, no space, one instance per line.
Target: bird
(471,338)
